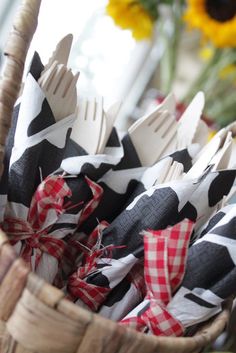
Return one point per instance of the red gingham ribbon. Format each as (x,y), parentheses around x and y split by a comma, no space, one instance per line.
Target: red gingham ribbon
(47,202)
(90,294)
(75,246)
(46,206)
(157,319)
(18,229)
(165,253)
(77,286)
(94,239)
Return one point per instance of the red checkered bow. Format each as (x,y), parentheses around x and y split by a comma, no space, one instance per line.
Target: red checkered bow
(46,206)
(18,229)
(78,288)
(165,254)
(77,245)
(93,296)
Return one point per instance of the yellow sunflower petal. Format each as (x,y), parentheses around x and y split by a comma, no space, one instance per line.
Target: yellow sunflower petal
(129,15)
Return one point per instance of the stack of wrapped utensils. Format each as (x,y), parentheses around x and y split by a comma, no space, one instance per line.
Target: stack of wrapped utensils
(137,226)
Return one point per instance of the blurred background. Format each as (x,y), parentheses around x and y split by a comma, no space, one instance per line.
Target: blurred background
(111,62)
(139,70)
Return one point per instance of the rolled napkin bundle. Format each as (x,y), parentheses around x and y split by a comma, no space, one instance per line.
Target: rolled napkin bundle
(77,161)
(165,255)
(92,167)
(38,238)
(209,280)
(39,147)
(35,145)
(82,198)
(156,209)
(85,167)
(39,142)
(210,273)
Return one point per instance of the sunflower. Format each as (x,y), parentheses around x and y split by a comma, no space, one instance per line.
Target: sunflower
(130,14)
(215,18)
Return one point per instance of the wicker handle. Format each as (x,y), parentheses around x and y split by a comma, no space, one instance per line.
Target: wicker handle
(24,26)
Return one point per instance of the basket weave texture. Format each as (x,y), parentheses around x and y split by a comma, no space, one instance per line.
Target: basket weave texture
(34,316)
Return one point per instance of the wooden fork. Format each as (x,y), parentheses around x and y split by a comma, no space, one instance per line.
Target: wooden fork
(173,171)
(87,128)
(108,120)
(167,104)
(61,52)
(59,86)
(152,135)
(188,123)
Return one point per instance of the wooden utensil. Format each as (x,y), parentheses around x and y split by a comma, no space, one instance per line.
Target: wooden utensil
(109,118)
(61,52)
(152,135)
(87,128)
(59,86)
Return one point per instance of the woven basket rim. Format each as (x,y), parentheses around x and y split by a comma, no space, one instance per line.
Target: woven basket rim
(54,298)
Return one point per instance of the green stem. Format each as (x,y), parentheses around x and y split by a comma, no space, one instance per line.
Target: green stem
(169,61)
(213,83)
(177,15)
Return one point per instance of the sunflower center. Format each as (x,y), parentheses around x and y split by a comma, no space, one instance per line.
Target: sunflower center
(221,10)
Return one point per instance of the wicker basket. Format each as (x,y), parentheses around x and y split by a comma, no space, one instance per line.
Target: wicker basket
(34,316)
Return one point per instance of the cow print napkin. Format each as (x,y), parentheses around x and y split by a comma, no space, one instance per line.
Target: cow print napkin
(210,272)
(157,208)
(129,179)
(39,147)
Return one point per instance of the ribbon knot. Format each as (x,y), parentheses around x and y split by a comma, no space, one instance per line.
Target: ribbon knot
(34,239)
(47,205)
(45,208)
(78,287)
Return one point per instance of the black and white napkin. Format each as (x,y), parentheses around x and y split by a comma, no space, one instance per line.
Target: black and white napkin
(155,209)
(210,276)
(129,179)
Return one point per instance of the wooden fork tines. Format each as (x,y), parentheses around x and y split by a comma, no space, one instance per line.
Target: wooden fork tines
(59,86)
(152,136)
(87,128)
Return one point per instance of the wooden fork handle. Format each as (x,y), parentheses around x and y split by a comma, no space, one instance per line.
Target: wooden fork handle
(20,37)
